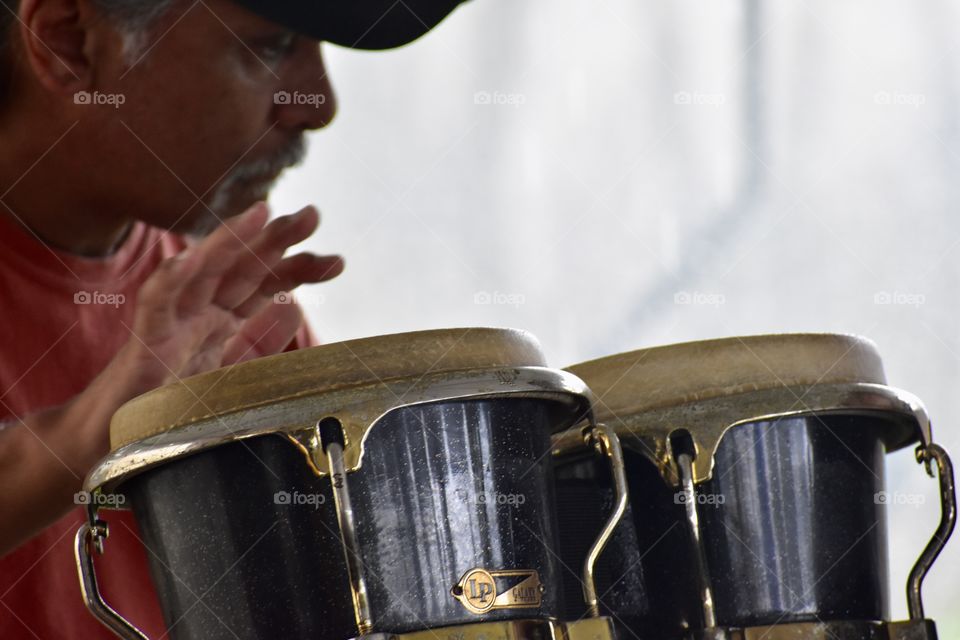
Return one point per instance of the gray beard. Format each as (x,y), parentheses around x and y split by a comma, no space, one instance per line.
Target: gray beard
(219,208)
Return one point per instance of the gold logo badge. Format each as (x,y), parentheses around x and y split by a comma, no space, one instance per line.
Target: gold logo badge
(480,591)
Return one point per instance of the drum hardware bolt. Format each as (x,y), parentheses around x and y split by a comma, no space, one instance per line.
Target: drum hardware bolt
(684,452)
(330,433)
(99,530)
(927,455)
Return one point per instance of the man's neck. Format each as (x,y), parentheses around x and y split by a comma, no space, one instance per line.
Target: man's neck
(51,210)
(54,236)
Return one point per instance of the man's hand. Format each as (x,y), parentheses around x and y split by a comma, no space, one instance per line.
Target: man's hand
(203,309)
(211,305)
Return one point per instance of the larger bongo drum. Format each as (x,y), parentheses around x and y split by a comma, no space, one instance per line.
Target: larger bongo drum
(755,473)
(373,488)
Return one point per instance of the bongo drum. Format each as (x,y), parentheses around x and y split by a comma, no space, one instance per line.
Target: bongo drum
(755,473)
(379,488)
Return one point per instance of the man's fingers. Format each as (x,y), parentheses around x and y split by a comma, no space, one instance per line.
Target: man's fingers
(266,333)
(218,253)
(157,298)
(266,250)
(303,268)
(288,274)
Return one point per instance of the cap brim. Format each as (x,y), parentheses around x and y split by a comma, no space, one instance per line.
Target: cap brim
(358,24)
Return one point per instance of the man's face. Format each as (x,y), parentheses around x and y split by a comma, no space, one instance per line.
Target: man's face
(214,107)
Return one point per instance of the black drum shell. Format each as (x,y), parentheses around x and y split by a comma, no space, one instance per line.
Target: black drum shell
(798,535)
(443,488)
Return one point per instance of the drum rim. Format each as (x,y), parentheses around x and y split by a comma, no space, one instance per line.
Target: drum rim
(316,370)
(784,375)
(904,421)
(359,409)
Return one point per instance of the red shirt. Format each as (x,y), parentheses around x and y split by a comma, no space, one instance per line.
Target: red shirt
(53,344)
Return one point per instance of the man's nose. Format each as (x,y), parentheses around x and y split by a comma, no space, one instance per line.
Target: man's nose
(306,99)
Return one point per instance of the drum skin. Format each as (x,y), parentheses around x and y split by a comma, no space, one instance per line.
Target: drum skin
(438,493)
(792,525)
(800,535)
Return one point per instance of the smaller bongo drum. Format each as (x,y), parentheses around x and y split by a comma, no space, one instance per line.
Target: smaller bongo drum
(755,474)
(381,488)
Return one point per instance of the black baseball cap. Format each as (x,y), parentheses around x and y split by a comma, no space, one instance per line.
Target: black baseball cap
(358,24)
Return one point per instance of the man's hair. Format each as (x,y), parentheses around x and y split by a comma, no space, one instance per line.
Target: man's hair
(133,17)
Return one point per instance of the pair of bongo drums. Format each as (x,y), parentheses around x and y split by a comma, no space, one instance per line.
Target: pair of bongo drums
(449,485)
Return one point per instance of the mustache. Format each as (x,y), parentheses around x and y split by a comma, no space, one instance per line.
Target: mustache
(290,155)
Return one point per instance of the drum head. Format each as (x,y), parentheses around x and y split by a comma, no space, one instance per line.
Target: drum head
(677,374)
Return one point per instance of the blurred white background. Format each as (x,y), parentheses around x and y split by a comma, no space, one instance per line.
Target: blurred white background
(614,174)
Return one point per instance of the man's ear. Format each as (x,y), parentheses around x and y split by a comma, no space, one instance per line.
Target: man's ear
(54,35)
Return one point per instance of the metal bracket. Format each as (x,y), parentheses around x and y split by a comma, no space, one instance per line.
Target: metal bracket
(607,443)
(948,520)
(90,538)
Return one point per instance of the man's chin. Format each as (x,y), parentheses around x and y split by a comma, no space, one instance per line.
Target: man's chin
(204,220)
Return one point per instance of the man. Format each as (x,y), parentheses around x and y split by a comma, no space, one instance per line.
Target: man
(132,134)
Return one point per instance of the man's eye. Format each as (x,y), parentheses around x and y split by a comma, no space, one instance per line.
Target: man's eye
(278,48)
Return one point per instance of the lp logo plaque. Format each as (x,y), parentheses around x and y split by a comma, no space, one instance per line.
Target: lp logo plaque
(481,591)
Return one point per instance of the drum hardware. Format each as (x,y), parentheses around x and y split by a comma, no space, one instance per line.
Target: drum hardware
(683,452)
(649,434)
(834,630)
(92,534)
(948,520)
(586,629)
(605,441)
(329,434)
